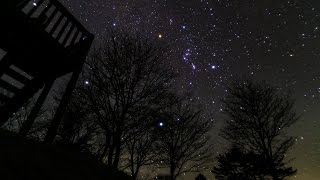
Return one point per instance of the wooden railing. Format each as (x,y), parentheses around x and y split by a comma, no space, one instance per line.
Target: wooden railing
(60,39)
(56,20)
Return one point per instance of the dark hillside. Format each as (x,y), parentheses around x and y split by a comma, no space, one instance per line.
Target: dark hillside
(20,159)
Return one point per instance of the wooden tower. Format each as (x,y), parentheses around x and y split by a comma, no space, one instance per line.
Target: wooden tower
(41,41)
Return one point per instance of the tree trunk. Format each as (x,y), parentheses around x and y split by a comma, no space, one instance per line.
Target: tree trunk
(53,128)
(106,147)
(275,177)
(26,126)
(134,176)
(118,150)
(275,174)
(111,149)
(132,164)
(172,169)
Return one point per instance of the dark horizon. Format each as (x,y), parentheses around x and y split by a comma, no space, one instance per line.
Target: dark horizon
(211,43)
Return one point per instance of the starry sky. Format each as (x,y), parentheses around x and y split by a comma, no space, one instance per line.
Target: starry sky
(213,41)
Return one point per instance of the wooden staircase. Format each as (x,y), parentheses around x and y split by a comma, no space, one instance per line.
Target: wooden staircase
(39,41)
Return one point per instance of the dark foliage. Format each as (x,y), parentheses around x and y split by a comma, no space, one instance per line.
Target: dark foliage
(237,165)
(259,118)
(200,177)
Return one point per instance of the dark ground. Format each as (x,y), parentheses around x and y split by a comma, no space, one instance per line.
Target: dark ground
(22,159)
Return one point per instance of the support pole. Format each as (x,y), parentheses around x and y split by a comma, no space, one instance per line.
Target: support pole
(82,50)
(4,64)
(26,126)
(53,129)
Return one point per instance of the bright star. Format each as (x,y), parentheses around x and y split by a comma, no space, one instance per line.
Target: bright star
(193,66)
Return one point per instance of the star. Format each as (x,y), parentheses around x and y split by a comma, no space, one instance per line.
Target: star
(219,40)
(193,66)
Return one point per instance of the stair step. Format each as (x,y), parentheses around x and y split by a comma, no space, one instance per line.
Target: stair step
(9,86)
(13,104)
(17,76)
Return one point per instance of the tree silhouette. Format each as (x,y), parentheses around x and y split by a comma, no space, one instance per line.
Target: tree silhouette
(18,120)
(183,139)
(140,146)
(237,165)
(125,77)
(77,130)
(259,118)
(140,150)
(200,177)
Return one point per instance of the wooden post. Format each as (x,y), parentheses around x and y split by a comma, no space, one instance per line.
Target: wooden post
(83,49)
(4,64)
(53,129)
(26,126)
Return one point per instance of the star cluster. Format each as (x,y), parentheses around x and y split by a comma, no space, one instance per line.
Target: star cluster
(211,42)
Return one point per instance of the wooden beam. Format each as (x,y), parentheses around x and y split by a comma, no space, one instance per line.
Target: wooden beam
(17,76)
(26,126)
(34,8)
(9,86)
(56,24)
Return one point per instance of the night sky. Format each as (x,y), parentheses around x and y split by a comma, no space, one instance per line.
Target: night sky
(212,41)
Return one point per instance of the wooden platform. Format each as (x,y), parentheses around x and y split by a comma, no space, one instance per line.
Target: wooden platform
(42,41)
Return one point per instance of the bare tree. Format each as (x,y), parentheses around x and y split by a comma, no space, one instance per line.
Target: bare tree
(259,118)
(183,139)
(140,150)
(124,77)
(77,130)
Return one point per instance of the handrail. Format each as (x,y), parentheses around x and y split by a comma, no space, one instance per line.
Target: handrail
(69,15)
(70,27)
